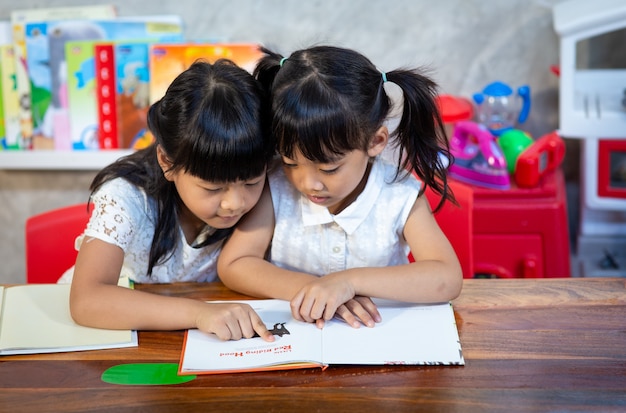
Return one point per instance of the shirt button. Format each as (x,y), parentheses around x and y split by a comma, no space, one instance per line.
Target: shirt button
(336,249)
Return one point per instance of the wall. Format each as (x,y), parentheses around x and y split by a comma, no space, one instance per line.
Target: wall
(466,44)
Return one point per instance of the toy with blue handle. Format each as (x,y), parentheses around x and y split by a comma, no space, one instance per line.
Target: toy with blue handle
(499,109)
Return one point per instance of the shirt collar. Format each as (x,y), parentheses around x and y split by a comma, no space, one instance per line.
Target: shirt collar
(354,214)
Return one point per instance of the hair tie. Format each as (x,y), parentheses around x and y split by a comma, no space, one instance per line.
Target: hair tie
(384,75)
(282,61)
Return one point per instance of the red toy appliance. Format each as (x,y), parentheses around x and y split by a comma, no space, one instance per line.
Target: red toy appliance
(544,155)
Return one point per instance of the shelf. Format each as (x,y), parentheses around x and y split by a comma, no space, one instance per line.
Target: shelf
(59,160)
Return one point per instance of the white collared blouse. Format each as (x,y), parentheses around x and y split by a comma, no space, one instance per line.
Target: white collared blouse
(368,233)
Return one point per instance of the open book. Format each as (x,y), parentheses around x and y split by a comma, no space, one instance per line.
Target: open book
(35,318)
(408,335)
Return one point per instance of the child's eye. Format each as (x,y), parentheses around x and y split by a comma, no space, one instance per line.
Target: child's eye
(255,183)
(289,165)
(330,171)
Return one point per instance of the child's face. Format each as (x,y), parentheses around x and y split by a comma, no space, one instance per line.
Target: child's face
(337,184)
(220,205)
(333,185)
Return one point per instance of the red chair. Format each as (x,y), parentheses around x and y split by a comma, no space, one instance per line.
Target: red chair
(456,223)
(50,240)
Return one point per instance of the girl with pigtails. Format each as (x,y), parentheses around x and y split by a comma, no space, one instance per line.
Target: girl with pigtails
(336,223)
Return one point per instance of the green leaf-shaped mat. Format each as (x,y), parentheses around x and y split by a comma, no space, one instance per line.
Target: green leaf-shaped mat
(145,374)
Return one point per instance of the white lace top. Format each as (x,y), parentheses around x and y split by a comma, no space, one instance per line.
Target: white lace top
(123,215)
(368,233)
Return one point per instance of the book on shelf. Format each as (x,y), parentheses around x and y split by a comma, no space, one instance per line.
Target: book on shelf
(105,96)
(132,94)
(47,64)
(35,318)
(169,60)
(6,61)
(11,135)
(19,19)
(123,97)
(98,68)
(409,334)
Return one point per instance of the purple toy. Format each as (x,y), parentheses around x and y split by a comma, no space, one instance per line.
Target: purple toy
(478,159)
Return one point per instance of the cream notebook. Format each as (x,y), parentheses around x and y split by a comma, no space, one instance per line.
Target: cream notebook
(35,318)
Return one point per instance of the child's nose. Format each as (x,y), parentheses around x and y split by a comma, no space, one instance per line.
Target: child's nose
(312,183)
(233,200)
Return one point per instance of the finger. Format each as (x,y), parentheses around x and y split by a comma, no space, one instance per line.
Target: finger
(320,309)
(371,308)
(222,332)
(303,308)
(320,323)
(330,311)
(260,328)
(234,329)
(347,316)
(361,313)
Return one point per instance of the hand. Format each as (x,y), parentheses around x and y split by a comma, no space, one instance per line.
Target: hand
(332,295)
(232,321)
(359,310)
(320,299)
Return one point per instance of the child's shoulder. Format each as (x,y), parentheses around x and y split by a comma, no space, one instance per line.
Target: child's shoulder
(119,186)
(124,194)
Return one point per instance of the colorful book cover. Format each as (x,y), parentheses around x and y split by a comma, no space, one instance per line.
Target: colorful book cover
(105,96)
(47,67)
(3,143)
(168,60)
(5,40)
(19,19)
(81,132)
(12,135)
(122,76)
(132,76)
(82,57)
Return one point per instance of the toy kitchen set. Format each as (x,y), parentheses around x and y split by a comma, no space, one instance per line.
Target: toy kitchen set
(592,107)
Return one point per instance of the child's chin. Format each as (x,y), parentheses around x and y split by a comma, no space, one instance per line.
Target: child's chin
(223,223)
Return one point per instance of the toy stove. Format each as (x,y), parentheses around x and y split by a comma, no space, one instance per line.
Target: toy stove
(592,97)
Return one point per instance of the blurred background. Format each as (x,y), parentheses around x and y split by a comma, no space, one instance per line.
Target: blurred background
(464,44)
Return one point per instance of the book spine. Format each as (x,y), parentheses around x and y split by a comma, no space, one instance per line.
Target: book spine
(106,97)
(10,100)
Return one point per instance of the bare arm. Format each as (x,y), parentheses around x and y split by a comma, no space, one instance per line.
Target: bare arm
(241,265)
(97,301)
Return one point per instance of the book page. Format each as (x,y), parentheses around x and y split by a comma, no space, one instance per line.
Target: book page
(408,334)
(36,319)
(297,344)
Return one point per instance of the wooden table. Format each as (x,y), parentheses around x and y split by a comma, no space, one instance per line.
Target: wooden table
(529,345)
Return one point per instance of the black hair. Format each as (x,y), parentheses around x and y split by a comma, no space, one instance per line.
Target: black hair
(211,123)
(327,101)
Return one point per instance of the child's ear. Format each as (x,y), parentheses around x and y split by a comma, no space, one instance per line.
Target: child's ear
(164,163)
(378,142)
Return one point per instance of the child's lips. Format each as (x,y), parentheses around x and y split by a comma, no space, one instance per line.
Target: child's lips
(229,219)
(317,199)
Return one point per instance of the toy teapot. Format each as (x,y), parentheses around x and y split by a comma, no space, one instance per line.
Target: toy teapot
(497,107)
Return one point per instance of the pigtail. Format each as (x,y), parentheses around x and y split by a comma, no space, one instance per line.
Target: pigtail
(420,135)
(267,68)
